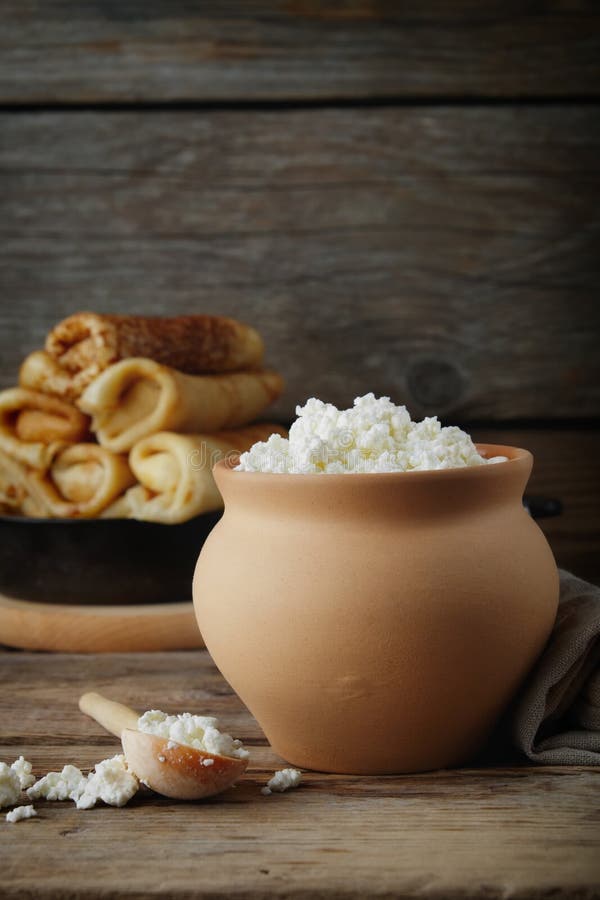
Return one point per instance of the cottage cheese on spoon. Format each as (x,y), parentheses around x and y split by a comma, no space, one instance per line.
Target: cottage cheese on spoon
(374,435)
(199,732)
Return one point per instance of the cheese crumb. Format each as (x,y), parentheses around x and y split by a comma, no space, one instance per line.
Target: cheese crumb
(282,780)
(66,785)
(23,769)
(374,435)
(199,732)
(10,786)
(208,762)
(111,782)
(20,812)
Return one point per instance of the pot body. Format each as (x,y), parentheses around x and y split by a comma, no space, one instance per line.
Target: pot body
(377,623)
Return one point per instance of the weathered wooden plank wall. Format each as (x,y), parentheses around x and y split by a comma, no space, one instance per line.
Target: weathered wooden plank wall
(106,50)
(446,256)
(402,197)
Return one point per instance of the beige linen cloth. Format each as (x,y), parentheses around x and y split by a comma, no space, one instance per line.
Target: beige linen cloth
(555,720)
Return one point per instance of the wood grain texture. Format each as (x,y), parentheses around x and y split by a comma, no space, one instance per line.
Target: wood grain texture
(100,50)
(98,629)
(447,257)
(566,468)
(527,833)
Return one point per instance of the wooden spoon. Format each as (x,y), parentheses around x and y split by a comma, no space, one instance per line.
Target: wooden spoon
(169,768)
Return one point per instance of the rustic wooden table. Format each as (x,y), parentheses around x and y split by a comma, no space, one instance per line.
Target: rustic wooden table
(510,832)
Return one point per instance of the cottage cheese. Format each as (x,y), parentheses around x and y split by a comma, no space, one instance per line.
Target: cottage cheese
(282,780)
(374,436)
(20,813)
(23,770)
(199,732)
(111,782)
(66,785)
(10,787)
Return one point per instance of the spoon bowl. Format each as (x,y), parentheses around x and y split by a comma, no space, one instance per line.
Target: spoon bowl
(167,767)
(177,771)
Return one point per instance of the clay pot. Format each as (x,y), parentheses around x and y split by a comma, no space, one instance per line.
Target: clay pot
(377,623)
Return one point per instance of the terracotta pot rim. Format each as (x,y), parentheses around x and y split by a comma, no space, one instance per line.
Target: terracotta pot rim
(517,457)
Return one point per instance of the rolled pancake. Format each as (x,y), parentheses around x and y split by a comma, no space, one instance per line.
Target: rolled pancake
(175,472)
(40,372)
(138,397)
(82,481)
(15,490)
(87,343)
(118,509)
(33,426)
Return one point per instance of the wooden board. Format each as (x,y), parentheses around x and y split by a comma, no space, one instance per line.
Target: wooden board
(98,629)
(515,832)
(98,51)
(446,257)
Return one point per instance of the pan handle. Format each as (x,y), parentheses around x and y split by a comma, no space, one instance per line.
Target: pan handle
(542,507)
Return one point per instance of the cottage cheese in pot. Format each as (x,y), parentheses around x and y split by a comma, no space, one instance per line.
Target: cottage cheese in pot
(374,435)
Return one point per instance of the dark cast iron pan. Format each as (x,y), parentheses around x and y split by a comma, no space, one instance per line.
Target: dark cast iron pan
(99,561)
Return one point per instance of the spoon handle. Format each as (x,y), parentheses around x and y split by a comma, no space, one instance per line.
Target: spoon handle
(115,717)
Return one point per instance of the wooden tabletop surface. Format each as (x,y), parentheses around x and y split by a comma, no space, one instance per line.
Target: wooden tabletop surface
(518,832)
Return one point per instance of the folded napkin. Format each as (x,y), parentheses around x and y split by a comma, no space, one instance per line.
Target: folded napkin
(555,720)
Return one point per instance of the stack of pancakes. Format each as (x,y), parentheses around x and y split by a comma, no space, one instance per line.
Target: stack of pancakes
(124,416)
